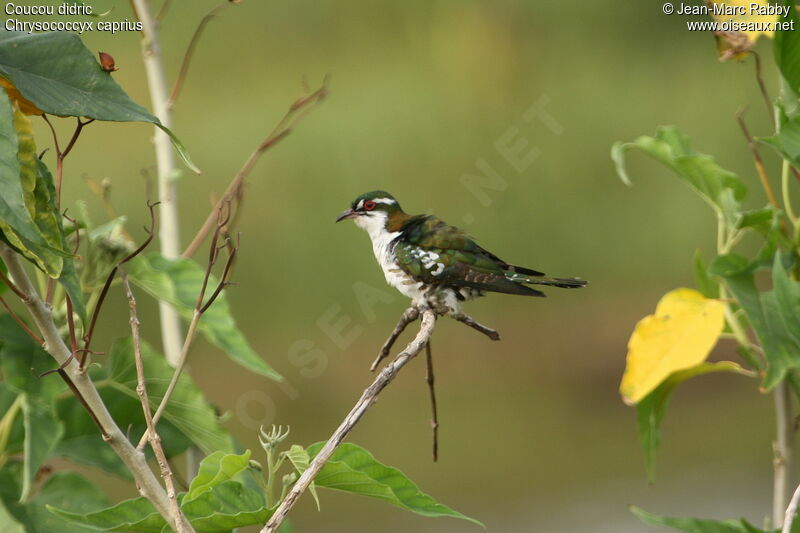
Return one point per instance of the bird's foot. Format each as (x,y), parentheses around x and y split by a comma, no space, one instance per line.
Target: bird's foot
(474,324)
(408,316)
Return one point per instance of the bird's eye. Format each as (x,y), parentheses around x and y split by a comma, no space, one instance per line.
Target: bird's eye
(369,205)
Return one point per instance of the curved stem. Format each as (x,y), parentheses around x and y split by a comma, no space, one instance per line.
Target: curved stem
(787,201)
(367,399)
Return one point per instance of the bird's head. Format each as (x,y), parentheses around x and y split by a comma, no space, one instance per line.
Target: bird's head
(374,211)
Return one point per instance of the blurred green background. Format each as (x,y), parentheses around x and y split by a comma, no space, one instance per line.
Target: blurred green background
(533,434)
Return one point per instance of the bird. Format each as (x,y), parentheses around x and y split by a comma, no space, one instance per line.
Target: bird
(436,265)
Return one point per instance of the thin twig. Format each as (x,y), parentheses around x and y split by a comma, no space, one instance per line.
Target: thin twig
(87,337)
(187,58)
(19,321)
(763,88)
(201,307)
(162,10)
(10,285)
(429,378)
(367,399)
(85,390)
(296,112)
(762,173)
(408,316)
(141,390)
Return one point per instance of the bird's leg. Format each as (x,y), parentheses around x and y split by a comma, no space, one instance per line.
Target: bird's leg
(471,322)
(434,412)
(408,316)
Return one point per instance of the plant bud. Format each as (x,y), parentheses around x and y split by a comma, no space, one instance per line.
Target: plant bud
(107,62)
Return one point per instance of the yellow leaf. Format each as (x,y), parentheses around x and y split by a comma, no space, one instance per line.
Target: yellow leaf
(744,14)
(680,335)
(26,106)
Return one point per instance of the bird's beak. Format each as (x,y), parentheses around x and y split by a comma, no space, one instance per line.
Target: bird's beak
(346,214)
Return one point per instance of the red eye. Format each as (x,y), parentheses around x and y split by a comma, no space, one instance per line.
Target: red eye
(369,205)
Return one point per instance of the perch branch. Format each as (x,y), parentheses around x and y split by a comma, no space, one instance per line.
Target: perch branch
(201,307)
(169,236)
(369,396)
(429,378)
(791,511)
(80,383)
(296,112)
(181,523)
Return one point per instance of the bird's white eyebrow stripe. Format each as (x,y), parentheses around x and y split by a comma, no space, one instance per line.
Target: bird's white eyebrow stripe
(387,201)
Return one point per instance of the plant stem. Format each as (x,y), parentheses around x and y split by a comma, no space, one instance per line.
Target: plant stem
(6,423)
(787,203)
(134,460)
(367,399)
(782,448)
(165,159)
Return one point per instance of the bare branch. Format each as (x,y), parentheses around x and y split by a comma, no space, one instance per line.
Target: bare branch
(84,389)
(296,112)
(762,173)
(181,524)
(87,338)
(22,324)
(367,399)
(187,58)
(791,511)
(200,308)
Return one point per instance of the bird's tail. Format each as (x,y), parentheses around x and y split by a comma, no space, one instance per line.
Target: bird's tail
(564,283)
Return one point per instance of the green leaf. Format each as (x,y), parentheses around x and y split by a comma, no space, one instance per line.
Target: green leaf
(650,411)
(67,490)
(764,314)
(353,469)
(787,299)
(61,77)
(136,515)
(786,49)
(787,139)
(187,410)
(721,189)
(707,286)
(178,281)
(300,459)
(224,507)
(215,469)
(42,433)
(16,221)
(691,525)
(21,359)
(8,523)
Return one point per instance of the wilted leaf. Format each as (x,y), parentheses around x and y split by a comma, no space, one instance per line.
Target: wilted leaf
(735,44)
(178,281)
(26,106)
(721,189)
(60,76)
(680,335)
(651,409)
(353,469)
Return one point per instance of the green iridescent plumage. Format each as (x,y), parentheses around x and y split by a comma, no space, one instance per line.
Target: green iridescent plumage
(429,260)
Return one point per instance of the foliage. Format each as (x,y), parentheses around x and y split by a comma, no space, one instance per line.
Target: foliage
(671,346)
(44,415)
